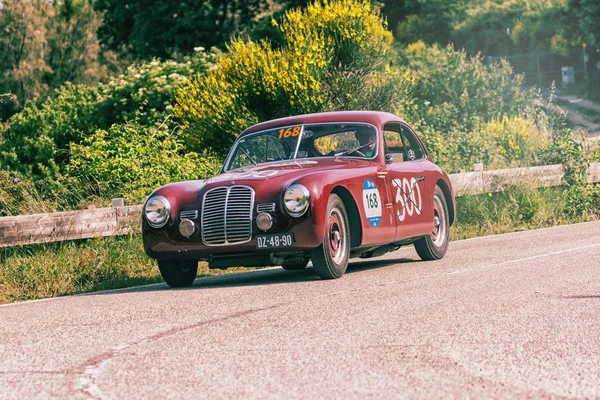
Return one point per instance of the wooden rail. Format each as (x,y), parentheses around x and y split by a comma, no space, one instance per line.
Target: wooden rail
(56,227)
(122,220)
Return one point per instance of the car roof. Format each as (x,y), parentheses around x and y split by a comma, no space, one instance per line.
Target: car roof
(376,118)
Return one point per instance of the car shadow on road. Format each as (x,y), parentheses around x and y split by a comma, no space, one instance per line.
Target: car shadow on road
(269,276)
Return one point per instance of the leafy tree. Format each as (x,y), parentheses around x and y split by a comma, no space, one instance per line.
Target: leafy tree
(24,46)
(163,28)
(430,21)
(586,16)
(74,48)
(35,56)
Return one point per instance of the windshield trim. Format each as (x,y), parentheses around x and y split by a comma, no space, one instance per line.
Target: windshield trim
(230,154)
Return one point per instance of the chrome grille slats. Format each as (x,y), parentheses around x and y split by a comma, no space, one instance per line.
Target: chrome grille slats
(188,214)
(227,215)
(265,207)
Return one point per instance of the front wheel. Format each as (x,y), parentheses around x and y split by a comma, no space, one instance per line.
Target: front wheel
(435,245)
(330,259)
(178,273)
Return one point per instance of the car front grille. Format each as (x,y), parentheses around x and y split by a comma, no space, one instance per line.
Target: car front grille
(227,215)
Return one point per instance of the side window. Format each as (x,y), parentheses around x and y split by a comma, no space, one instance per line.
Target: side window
(394,146)
(414,150)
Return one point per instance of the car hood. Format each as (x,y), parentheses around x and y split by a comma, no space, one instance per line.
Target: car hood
(284,171)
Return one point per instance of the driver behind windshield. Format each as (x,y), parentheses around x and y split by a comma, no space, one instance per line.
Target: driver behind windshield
(367,141)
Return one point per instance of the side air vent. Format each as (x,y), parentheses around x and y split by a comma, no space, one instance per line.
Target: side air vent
(265,207)
(189,214)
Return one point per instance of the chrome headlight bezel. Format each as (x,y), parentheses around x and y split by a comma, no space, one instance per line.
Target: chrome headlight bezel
(166,212)
(292,206)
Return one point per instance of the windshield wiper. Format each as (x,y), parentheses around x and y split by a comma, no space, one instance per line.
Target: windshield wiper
(248,155)
(343,153)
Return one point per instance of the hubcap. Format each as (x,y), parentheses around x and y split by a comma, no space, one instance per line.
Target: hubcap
(336,232)
(438,236)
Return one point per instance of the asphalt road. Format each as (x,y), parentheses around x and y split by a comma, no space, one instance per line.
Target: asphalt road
(508,316)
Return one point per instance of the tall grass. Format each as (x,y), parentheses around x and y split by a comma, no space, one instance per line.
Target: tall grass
(517,208)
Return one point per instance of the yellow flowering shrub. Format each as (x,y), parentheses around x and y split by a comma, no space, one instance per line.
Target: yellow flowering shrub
(333,57)
(513,141)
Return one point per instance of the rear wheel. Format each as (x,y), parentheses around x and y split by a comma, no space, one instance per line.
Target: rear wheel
(330,259)
(178,273)
(435,245)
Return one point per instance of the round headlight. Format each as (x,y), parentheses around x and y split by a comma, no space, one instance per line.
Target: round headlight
(296,200)
(157,211)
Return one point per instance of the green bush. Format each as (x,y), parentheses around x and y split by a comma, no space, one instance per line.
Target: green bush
(333,57)
(456,90)
(38,138)
(146,92)
(468,112)
(568,149)
(131,160)
(514,142)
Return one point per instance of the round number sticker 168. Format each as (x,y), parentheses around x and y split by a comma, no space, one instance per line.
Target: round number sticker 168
(372,203)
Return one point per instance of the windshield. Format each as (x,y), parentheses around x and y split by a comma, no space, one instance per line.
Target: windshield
(304,141)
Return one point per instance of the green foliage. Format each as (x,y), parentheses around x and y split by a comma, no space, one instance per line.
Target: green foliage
(567,149)
(19,196)
(35,59)
(491,27)
(165,28)
(333,57)
(59,269)
(516,208)
(468,112)
(509,27)
(131,160)
(586,14)
(147,91)
(430,21)
(515,141)
(460,91)
(38,139)
(36,143)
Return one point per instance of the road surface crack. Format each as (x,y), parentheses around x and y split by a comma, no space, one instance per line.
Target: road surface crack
(88,373)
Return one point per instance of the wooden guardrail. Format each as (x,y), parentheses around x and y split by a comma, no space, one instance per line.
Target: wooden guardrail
(122,220)
(69,225)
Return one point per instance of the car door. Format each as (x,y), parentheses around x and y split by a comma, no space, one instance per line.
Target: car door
(404,156)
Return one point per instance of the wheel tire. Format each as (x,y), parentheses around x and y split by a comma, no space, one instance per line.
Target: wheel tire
(295,267)
(178,273)
(434,246)
(330,259)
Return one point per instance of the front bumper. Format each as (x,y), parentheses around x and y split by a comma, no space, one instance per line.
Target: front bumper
(167,244)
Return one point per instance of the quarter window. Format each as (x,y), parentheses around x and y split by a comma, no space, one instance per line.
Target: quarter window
(394,145)
(414,150)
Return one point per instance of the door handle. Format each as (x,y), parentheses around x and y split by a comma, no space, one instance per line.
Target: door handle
(420,178)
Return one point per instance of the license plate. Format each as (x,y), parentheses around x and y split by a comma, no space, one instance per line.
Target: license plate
(275,241)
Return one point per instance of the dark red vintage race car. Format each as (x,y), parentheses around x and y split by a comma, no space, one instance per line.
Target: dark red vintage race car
(321,187)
